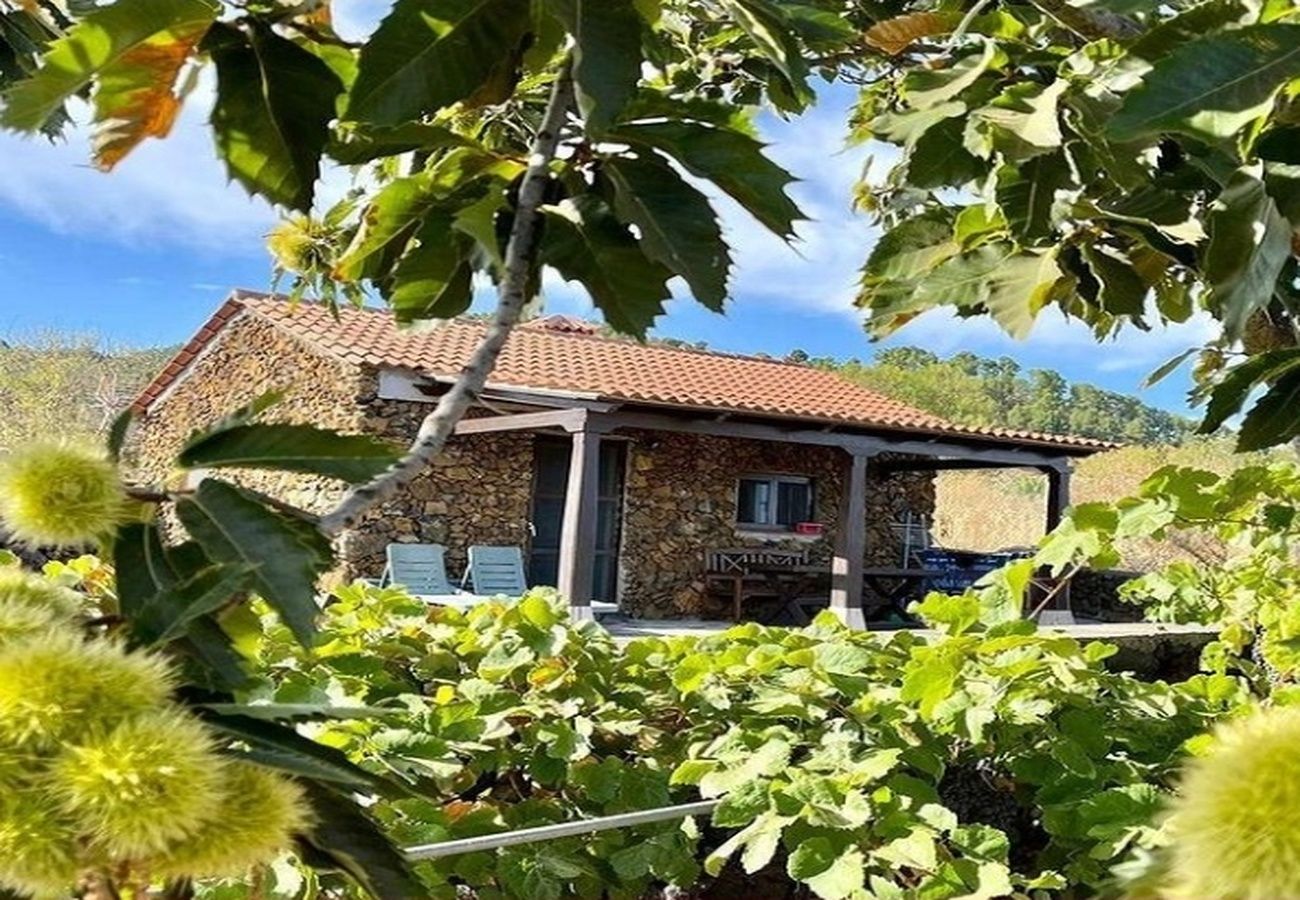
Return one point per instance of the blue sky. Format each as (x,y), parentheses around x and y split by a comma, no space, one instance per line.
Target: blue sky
(143,255)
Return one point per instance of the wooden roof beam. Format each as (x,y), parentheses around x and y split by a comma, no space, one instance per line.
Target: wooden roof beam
(568,419)
(869,445)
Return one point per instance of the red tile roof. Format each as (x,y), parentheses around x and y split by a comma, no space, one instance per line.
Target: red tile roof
(559,355)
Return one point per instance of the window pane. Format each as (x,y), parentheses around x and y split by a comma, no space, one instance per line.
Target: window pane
(611,469)
(606,524)
(755,502)
(794,502)
(552,467)
(544,568)
(604,578)
(548,517)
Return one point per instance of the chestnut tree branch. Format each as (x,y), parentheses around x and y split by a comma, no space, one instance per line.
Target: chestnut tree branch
(519,257)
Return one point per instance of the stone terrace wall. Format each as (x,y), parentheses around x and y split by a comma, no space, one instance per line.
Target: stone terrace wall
(477,491)
(248,358)
(680,501)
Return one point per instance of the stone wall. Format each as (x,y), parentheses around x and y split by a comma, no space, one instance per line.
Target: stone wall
(477,491)
(246,359)
(680,501)
(1095,595)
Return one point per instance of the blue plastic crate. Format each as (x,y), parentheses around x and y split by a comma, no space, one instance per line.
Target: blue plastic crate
(959,569)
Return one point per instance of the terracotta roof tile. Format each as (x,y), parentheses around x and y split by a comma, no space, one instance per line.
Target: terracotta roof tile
(567,358)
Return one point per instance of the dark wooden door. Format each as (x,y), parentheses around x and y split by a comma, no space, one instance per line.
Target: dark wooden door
(550,480)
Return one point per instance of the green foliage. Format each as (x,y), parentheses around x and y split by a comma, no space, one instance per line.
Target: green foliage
(55,494)
(1249,593)
(289,448)
(25,33)
(586,243)
(444,101)
(731,160)
(606,56)
(977,390)
(1126,166)
(63,384)
(1270,418)
(1214,87)
(275,101)
(118,733)
(845,758)
(104,775)
(282,554)
(125,50)
(1234,816)
(418,63)
(985,760)
(677,229)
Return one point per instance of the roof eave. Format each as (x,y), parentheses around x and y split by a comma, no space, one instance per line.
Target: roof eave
(1063,448)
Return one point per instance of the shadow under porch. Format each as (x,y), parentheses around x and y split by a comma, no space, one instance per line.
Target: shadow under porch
(602,540)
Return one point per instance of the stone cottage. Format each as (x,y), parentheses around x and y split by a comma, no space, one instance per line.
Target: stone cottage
(622,469)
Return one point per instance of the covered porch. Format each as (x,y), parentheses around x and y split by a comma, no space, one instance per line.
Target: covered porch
(846,578)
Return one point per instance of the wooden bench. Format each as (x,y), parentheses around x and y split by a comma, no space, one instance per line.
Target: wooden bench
(750,573)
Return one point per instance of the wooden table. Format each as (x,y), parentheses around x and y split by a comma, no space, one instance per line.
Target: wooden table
(905,585)
(783,582)
(787,584)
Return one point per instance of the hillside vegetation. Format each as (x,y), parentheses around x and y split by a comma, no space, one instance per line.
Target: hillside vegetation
(989,510)
(977,390)
(56,385)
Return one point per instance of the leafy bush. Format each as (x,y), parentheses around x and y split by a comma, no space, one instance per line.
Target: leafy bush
(1250,592)
(126,762)
(987,760)
(982,760)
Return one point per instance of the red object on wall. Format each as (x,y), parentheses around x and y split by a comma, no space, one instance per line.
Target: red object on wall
(809,528)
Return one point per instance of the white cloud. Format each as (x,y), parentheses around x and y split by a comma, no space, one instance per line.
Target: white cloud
(173,191)
(819,271)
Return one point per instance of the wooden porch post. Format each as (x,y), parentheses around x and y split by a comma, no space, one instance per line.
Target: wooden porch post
(1057,611)
(1058,494)
(578,530)
(850,545)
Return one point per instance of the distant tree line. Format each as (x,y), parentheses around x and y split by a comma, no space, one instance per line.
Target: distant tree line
(977,390)
(61,385)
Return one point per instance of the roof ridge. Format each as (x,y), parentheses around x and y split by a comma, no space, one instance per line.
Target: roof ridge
(697,351)
(613,339)
(242,294)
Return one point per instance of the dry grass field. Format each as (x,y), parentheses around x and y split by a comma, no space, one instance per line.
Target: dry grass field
(990,510)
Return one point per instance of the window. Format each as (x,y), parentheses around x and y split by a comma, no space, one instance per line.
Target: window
(774,501)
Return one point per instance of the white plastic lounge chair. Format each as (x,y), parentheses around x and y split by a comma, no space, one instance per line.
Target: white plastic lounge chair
(603,608)
(493,571)
(500,570)
(422,570)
